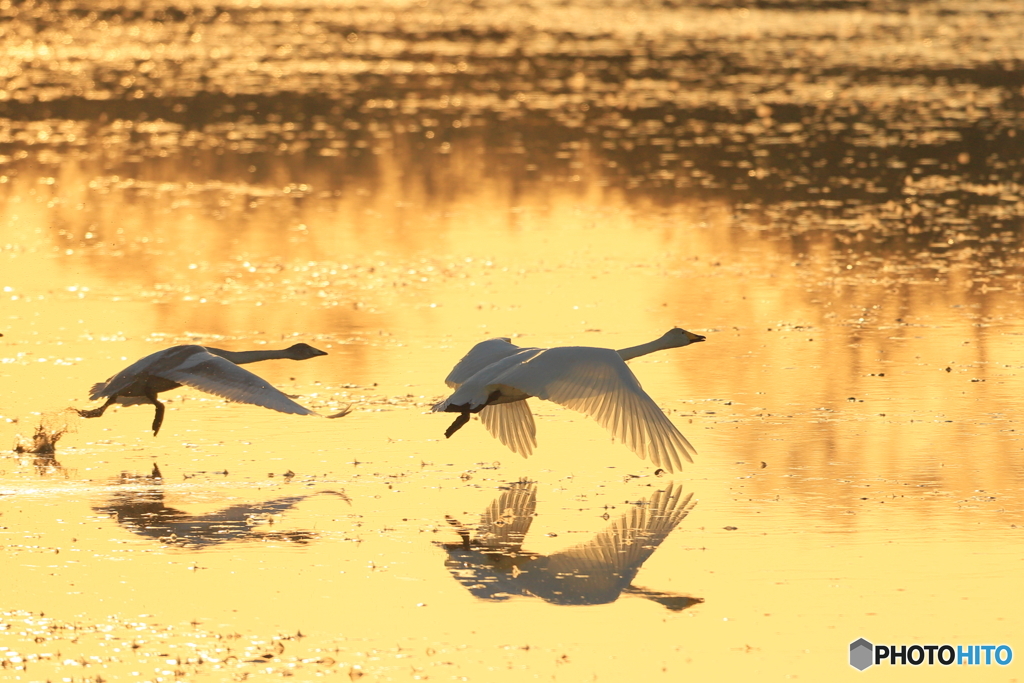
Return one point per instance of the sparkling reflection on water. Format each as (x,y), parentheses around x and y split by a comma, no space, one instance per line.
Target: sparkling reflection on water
(832,194)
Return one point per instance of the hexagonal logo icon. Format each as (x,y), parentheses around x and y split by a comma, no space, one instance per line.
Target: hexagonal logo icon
(861,654)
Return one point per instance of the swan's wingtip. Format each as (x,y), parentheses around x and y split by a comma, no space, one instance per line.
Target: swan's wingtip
(345,411)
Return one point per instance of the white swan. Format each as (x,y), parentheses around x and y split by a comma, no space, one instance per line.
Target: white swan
(496,377)
(214,371)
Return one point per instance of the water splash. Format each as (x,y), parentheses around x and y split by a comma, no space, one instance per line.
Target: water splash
(51,427)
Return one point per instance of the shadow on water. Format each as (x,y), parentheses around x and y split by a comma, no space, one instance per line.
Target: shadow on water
(143,512)
(492,565)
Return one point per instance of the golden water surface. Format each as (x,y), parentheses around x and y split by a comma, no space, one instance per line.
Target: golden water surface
(832,195)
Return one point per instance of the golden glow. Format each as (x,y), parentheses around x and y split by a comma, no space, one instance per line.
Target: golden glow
(879,465)
(855,406)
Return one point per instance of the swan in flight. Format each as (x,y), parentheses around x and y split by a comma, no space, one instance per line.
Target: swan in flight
(496,377)
(214,371)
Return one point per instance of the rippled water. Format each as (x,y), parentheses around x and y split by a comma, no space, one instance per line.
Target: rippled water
(830,192)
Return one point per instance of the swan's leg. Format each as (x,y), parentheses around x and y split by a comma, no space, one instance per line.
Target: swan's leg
(96,412)
(464,410)
(462,419)
(158,419)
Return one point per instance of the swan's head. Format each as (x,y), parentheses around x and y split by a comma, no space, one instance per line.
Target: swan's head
(303,351)
(677,336)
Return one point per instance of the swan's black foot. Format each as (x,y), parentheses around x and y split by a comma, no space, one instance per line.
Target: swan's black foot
(462,419)
(95,412)
(158,419)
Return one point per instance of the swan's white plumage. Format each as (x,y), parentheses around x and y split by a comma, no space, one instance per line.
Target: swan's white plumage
(479,357)
(194,366)
(594,381)
(599,384)
(221,377)
(511,424)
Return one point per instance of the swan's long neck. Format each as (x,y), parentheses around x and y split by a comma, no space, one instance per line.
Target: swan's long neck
(642,349)
(243,357)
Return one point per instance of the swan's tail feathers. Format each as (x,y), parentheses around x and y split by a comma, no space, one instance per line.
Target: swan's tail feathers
(96,391)
(441,407)
(512,424)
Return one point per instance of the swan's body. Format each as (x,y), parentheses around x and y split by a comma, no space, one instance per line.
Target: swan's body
(214,371)
(496,377)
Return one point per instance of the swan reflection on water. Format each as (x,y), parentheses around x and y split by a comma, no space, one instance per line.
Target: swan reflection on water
(144,513)
(493,566)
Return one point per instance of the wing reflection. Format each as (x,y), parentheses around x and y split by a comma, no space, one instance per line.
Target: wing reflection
(492,565)
(143,512)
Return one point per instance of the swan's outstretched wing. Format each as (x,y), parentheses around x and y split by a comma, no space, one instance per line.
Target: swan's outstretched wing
(221,377)
(479,357)
(512,424)
(598,383)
